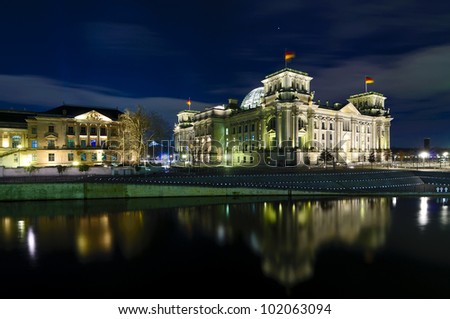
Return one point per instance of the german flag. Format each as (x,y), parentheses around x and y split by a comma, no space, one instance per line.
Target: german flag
(369,80)
(289,55)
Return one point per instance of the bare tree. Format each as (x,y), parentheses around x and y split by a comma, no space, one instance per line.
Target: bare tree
(134,127)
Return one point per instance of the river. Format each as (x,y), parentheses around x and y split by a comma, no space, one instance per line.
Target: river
(337,247)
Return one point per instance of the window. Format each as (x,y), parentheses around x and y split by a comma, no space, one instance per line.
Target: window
(323,125)
(51,128)
(240,129)
(50,144)
(331,126)
(33,130)
(51,157)
(234,130)
(83,130)
(253,127)
(103,131)
(34,143)
(346,126)
(226,131)
(103,156)
(70,130)
(70,143)
(70,157)
(323,136)
(16,141)
(83,156)
(93,143)
(83,143)
(246,128)
(34,157)
(93,130)
(315,124)
(94,156)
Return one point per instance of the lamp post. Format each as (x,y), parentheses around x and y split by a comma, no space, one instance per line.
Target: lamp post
(19,147)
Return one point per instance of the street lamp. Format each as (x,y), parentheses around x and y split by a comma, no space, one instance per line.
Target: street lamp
(424,155)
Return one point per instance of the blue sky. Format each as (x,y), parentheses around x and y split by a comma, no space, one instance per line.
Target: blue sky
(160,53)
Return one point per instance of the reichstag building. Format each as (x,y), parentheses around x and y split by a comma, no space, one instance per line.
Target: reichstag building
(281,124)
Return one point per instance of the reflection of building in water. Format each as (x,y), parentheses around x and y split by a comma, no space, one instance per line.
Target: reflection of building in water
(91,236)
(289,234)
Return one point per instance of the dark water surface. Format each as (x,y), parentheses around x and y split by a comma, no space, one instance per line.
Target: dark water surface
(368,247)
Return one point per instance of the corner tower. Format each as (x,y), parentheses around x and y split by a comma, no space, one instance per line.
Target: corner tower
(288,85)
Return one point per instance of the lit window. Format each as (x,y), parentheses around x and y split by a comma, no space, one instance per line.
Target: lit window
(34,143)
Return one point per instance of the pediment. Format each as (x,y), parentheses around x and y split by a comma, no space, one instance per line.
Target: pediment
(350,109)
(93,116)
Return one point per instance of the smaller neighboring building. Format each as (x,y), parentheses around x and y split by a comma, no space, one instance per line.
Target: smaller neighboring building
(66,135)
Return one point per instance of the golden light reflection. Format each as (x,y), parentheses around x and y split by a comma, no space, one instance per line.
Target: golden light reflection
(287,235)
(94,238)
(6,227)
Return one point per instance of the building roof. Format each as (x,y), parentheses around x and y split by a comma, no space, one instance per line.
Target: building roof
(15,119)
(75,110)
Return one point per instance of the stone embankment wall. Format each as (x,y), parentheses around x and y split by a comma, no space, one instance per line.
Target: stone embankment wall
(55,191)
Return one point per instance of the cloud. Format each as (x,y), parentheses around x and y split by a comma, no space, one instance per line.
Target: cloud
(419,75)
(31,91)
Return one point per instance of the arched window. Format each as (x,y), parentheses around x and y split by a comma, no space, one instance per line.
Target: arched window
(272,124)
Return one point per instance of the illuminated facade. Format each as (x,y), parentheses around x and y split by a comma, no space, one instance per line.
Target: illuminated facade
(281,124)
(66,135)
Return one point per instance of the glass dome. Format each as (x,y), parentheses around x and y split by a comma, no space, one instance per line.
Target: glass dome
(252,99)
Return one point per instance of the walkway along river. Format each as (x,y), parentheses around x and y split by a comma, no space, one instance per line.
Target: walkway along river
(222,183)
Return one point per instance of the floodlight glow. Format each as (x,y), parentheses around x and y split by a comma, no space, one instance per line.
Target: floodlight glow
(424,155)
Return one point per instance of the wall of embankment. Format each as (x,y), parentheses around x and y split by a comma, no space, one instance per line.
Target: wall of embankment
(55,191)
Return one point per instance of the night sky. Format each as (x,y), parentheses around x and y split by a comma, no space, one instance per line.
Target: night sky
(161,53)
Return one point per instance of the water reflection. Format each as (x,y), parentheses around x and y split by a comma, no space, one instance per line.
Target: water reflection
(92,234)
(288,235)
(433,209)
